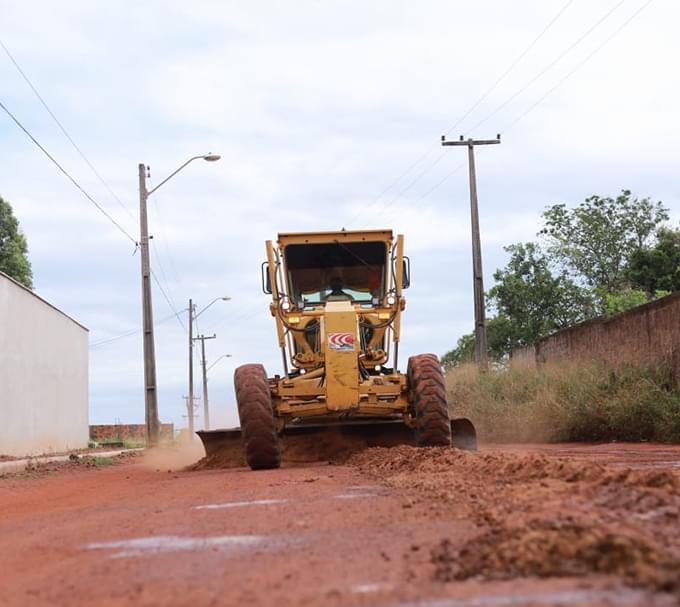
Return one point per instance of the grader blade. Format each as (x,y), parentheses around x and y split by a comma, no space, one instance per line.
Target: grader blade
(463,434)
(372,433)
(216,440)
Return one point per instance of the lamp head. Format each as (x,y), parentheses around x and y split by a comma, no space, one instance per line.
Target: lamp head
(212,157)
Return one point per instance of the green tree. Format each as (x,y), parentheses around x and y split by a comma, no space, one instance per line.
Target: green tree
(498,336)
(463,352)
(595,240)
(657,269)
(615,303)
(604,256)
(532,300)
(13,248)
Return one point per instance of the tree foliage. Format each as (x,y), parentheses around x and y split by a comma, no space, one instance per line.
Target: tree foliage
(657,268)
(533,300)
(499,338)
(596,239)
(13,247)
(604,256)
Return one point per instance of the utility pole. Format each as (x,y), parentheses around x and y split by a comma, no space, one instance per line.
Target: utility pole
(150,398)
(206,412)
(190,409)
(477,275)
(192,317)
(189,403)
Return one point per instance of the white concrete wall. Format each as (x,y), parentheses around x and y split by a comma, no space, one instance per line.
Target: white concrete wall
(43,375)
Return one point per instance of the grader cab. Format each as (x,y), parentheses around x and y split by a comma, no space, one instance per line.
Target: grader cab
(337,299)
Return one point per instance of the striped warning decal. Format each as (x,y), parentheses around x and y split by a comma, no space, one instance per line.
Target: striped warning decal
(341,341)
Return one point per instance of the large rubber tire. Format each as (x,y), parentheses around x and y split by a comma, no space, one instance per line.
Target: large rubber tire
(428,398)
(258,429)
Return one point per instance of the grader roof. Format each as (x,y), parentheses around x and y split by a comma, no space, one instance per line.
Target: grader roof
(286,238)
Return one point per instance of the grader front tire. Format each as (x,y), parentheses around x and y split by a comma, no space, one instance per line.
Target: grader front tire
(260,441)
(428,397)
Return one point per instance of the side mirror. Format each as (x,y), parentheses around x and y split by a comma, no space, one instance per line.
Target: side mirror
(266,279)
(406,273)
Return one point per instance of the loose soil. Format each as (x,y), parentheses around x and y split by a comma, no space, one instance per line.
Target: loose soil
(509,525)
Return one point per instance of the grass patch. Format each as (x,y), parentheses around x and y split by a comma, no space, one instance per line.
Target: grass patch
(99,461)
(567,402)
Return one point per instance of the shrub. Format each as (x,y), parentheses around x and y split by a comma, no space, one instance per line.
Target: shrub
(568,402)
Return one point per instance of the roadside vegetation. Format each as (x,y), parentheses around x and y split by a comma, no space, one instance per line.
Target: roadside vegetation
(567,403)
(13,247)
(600,257)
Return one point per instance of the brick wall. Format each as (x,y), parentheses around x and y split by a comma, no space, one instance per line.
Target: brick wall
(131,432)
(648,334)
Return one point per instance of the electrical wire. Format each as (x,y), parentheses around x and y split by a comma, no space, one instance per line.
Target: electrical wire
(520,90)
(555,87)
(157,258)
(65,132)
(469,111)
(512,66)
(552,89)
(126,334)
(552,64)
(167,299)
(90,198)
(66,174)
(578,67)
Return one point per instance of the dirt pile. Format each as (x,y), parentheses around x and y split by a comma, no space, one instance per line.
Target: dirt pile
(540,516)
(557,548)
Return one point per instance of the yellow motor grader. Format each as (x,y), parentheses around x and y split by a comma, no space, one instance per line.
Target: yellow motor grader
(337,299)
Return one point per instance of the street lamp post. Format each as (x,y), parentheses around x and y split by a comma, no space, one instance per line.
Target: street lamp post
(190,401)
(150,396)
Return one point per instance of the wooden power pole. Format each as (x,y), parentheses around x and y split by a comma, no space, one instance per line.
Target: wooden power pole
(206,412)
(150,397)
(477,275)
(190,401)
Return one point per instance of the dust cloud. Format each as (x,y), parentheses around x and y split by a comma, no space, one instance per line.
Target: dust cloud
(173,457)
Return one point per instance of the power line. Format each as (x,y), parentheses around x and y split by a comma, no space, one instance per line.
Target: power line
(554,62)
(578,66)
(64,131)
(163,274)
(551,90)
(167,299)
(93,201)
(512,66)
(65,172)
(474,106)
(161,223)
(527,85)
(126,334)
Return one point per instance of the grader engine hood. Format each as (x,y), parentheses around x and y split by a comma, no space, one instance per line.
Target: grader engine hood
(341,351)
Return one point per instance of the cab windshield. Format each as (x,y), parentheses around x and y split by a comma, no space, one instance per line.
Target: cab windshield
(347,271)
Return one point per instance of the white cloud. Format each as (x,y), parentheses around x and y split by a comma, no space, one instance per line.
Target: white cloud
(316,109)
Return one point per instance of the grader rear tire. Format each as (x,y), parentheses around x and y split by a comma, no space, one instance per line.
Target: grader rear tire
(258,429)
(428,397)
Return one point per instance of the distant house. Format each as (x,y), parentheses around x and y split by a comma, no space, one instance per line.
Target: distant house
(43,375)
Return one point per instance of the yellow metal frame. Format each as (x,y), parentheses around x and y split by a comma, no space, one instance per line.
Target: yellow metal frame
(329,381)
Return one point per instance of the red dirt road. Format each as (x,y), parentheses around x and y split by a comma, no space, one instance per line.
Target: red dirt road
(517,525)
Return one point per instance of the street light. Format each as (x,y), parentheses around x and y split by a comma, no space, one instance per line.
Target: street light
(192,317)
(218,360)
(150,396)
(225,298)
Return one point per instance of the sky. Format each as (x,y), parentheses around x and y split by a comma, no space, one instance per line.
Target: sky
(327,114)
